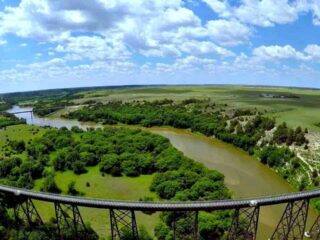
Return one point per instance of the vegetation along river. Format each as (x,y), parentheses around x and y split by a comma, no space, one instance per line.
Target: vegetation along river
(245,176)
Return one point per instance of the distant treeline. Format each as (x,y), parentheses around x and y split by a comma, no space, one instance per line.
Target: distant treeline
(54,94)
(243,128)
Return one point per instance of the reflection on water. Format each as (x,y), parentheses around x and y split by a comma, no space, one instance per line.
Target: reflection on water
(245,176)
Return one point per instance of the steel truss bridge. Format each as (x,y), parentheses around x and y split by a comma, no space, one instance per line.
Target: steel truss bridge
(245,222)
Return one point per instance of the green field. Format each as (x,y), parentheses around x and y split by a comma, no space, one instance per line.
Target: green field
(20,132)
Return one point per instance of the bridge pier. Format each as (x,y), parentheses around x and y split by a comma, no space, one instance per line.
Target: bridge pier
(123,220)
(244,223)
(68,218)
(293,221)
(27,212)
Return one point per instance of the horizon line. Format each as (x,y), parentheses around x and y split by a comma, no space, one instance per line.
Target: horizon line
(162,85)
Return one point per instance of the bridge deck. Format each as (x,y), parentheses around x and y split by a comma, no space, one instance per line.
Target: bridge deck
(161,206)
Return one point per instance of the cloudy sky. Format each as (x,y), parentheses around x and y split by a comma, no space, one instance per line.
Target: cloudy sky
(65,43)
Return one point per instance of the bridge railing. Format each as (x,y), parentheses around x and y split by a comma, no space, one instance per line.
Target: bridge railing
(245,220)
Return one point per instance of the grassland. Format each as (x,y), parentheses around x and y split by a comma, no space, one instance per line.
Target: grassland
(20,132)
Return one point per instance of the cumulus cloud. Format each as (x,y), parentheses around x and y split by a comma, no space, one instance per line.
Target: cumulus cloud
(103,38)
(45,19)
(279,52)
(228,32)
(204,47)
(313,51)
(151,28)
(266,13)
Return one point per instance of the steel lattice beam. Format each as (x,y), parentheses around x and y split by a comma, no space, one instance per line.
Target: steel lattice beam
(314,232)
(244,224)
(293,221)
(191,220)
(27,212)
(68,218)
(123,221)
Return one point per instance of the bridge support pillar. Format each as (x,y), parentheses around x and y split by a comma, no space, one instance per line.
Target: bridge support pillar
(191,222)
(27,212)
(244,224)
(123,222)
(68,218)
(293,221)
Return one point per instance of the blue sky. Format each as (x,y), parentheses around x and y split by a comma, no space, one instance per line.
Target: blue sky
(70,43)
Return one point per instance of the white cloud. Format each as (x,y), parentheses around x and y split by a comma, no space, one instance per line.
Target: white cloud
(93,48)
(204,47)
(54,20)
(3,42)
(279,52)
(228,32)
(313,50)
(266,13)
(175,18)
(109,33)
(23,45)
(220,7)
(148,27)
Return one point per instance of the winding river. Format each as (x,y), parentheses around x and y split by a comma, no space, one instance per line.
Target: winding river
(244,175)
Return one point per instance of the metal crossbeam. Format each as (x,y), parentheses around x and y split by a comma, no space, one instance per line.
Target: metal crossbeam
(314,232)
(68,218)
(192,222)
(293,221)
(123,221)
(244,224)
(27,212)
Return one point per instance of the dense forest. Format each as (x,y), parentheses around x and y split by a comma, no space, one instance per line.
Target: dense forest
(244,128)
(118,151)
